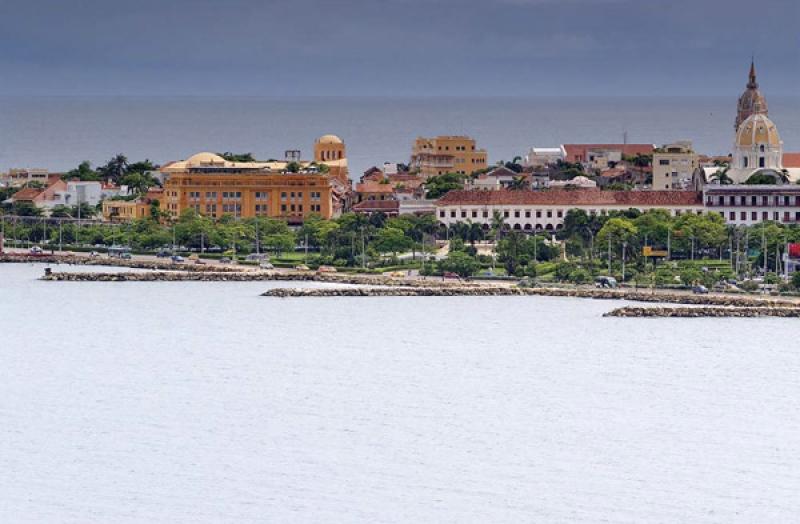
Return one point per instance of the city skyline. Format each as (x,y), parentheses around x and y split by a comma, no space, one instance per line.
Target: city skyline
(396,48)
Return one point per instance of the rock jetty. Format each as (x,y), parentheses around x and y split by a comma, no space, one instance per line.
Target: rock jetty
(704,311)
(114,262)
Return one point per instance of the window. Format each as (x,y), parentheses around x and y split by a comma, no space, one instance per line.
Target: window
(761,162)
(527,214)
(732,215)
(764,216)
(441,214)
(474,214)
(211,195)
(485,214)
(753,216)
(549,214)
(262,195)
(505,214)
(663,162)
(283,195)
(560,214)
(516,214)
(743,215)
(452,214)
(538,214)
(463,214)
(745,161)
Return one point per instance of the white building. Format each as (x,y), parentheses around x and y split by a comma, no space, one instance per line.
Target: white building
(751,204)
(543,156)
(545,210)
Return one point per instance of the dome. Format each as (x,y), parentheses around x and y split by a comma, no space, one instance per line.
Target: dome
(329,139)
(757,130)
(204,159)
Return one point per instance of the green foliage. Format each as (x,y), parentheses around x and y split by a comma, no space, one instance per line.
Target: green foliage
(437,186)
(237,157)
(83,172)
(795,281)
(459,263)
(761,179)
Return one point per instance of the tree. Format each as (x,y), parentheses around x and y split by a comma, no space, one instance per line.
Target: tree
(237,157)
(83,172)
(115,169)
(293,167)
(459,263)
(138,183)
(392,240)
(519,183)
(721,176)
(796,280)
(438,186)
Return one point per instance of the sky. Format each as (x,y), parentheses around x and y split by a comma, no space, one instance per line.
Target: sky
(396,47)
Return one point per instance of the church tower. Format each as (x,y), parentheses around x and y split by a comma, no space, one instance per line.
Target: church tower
(752,102)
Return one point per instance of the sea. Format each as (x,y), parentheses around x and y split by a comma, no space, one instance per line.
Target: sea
(203,402)
(57,133)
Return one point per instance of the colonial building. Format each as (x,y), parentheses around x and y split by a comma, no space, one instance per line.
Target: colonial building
(751,204)
(545,210)
(447,154)
(599,155)
(291,189)
(128,210)
(673,166)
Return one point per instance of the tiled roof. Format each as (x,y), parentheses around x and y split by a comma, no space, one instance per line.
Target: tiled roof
(572,198)
(29,193)
(791,160)
(377,205)
(374,187)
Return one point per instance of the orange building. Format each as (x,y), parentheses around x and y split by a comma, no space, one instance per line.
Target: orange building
(447,154)
(291,189)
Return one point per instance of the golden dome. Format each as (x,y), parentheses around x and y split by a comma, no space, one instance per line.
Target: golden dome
(329,139)
(757,130)
(204,158)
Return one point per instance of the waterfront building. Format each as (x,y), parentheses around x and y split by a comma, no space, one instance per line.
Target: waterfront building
(447,154)
(290,189)
(673,166)
(751,204)
(545,210)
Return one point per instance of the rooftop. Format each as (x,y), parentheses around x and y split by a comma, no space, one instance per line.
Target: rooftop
(572,197)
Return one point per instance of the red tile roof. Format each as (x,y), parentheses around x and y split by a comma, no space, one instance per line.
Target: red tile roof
(377,205)
(27,194)
(374,187)
(791,160)
(572,198)
(577,152)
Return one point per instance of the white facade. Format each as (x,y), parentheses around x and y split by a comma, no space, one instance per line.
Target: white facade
(751,204)
(90,193)
(542,156)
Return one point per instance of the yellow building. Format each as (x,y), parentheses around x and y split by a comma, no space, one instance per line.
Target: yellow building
(447,154)
(125,210)
(291,189)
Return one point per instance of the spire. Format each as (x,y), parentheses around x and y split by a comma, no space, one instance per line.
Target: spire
(752,84)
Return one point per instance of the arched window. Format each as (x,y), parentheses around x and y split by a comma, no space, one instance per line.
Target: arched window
(761,161)
(745,161)
(761,148)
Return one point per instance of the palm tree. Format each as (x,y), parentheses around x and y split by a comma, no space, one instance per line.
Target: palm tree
(497,224)
(519,183)
(116,167)
(721,177)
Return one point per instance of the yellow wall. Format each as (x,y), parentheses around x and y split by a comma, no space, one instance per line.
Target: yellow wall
(447,154)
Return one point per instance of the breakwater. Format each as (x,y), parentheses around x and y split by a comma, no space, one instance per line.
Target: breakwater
(74,260)
(704,312)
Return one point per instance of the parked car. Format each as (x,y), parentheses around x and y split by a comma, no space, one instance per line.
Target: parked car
(449,275)
(214,249)
(36,250)
(700,290)
(200,262)
(256,257)
(266,265)
(177,259)
(163,254)
(602,282)
(126,256)
(302,267)
(94,254)
(326,269)
(225,260)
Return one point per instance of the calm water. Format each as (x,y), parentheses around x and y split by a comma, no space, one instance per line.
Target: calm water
(58,133)
(203,402)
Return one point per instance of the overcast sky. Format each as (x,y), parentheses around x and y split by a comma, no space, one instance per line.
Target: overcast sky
(397,47)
